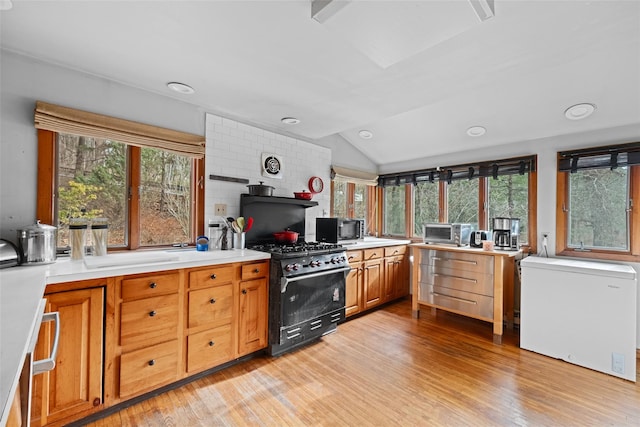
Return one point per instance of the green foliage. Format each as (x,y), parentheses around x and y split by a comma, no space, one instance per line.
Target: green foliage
(394,209)
(74,199)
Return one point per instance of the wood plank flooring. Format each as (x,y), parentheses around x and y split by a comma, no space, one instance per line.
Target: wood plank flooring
(385,369)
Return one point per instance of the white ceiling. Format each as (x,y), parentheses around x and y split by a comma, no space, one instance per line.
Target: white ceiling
(259,61)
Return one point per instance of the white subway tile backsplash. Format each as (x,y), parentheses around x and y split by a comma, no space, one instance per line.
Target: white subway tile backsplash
(235,150)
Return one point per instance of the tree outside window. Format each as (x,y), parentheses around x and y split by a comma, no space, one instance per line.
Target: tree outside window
(394,210)
(93,178)
(462,202)
(425,205)
(598,201)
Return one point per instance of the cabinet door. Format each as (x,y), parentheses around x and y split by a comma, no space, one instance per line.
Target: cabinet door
(253,312)
(353,290)
(402,281)
(75,384)
(392,277)
(373,283)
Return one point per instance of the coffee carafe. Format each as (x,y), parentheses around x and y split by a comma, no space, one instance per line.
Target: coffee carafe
(502,233)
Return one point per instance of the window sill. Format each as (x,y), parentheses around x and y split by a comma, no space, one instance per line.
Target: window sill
(593,254)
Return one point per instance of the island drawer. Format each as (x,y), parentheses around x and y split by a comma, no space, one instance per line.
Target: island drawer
(459,261)
(478,283)
(467,303)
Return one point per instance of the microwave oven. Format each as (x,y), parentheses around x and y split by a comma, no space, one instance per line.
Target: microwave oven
(451,234)
(339,230)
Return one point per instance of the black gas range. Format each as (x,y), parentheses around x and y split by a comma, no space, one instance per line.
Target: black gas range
(306,293)
(307,279)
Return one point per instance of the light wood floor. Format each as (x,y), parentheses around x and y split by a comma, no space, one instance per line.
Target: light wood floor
(386,368)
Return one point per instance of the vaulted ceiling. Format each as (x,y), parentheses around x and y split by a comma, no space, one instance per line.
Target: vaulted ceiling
(416,74)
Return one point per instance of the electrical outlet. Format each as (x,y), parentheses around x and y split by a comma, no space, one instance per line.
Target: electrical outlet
(221,209)
(617,363)
(545,234)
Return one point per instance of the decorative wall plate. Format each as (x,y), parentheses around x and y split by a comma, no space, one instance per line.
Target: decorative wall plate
(272,165)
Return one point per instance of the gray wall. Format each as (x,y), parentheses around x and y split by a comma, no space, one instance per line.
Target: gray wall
(25,81)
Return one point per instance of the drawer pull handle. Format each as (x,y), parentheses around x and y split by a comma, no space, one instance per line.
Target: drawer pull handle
(212,301)
(244,291)
(152,313)
(153,285)
(152,362)
(435,258)
(351,257)
(455,277)
(468,301)
(257,270)
(211,343)
(213,276)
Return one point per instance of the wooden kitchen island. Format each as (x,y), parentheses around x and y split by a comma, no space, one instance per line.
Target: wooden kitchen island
(467,281)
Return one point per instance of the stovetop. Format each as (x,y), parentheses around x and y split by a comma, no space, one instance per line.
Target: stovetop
(300,249)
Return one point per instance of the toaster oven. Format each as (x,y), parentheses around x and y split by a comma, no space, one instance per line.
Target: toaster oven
(447,233)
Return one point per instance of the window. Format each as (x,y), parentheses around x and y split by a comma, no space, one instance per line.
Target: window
(394,210)
(470,193)
(596,193)
(145,181)
(354,195)
(462,202)
(341,200)
(425,205)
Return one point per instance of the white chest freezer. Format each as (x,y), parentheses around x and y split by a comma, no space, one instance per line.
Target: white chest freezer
(583,312)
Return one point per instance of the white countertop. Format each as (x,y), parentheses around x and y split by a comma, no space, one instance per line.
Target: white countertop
(22,288)
(375,242)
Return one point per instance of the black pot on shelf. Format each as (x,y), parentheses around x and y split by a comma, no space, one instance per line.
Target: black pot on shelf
(260,189)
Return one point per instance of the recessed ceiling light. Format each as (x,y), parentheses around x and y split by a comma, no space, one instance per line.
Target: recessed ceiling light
(181,88)
(290,120)
(365,134)
(579,111)
(476,131)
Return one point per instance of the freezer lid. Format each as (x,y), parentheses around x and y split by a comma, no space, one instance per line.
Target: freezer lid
(597,268)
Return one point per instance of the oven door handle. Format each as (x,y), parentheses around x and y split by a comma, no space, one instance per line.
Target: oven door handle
(285,280)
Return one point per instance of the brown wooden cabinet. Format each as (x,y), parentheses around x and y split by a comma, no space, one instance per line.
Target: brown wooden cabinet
(74,388)
(150,327)
(210,320)
(354,284)
(253,308)
(396,270)
(373,277)
(377,275)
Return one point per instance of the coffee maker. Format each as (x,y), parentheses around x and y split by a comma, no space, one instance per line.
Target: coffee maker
(502,233)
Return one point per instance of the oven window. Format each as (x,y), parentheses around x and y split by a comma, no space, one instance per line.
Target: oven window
(307,298)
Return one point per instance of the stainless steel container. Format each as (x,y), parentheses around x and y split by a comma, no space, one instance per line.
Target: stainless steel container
(260,189)
(37,244)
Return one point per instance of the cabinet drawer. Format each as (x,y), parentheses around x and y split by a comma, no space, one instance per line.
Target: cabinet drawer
(209,348)
(479,306)
(478,283)
(148,368)
(461,261)
(211,305)
(354,256)
(147,286)
(395,250)
(211,277)
(374,253)
(254,271)
(149,320)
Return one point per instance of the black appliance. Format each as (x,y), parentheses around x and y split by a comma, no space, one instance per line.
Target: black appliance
(339,230)
(475,241)
(307,279)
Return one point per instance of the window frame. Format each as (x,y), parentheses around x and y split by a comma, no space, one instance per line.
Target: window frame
(47,190)
(483,200)
(562,222)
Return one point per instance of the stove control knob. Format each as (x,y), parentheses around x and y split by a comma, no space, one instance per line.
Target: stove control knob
(290,267)
(334,260)
(296,266)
